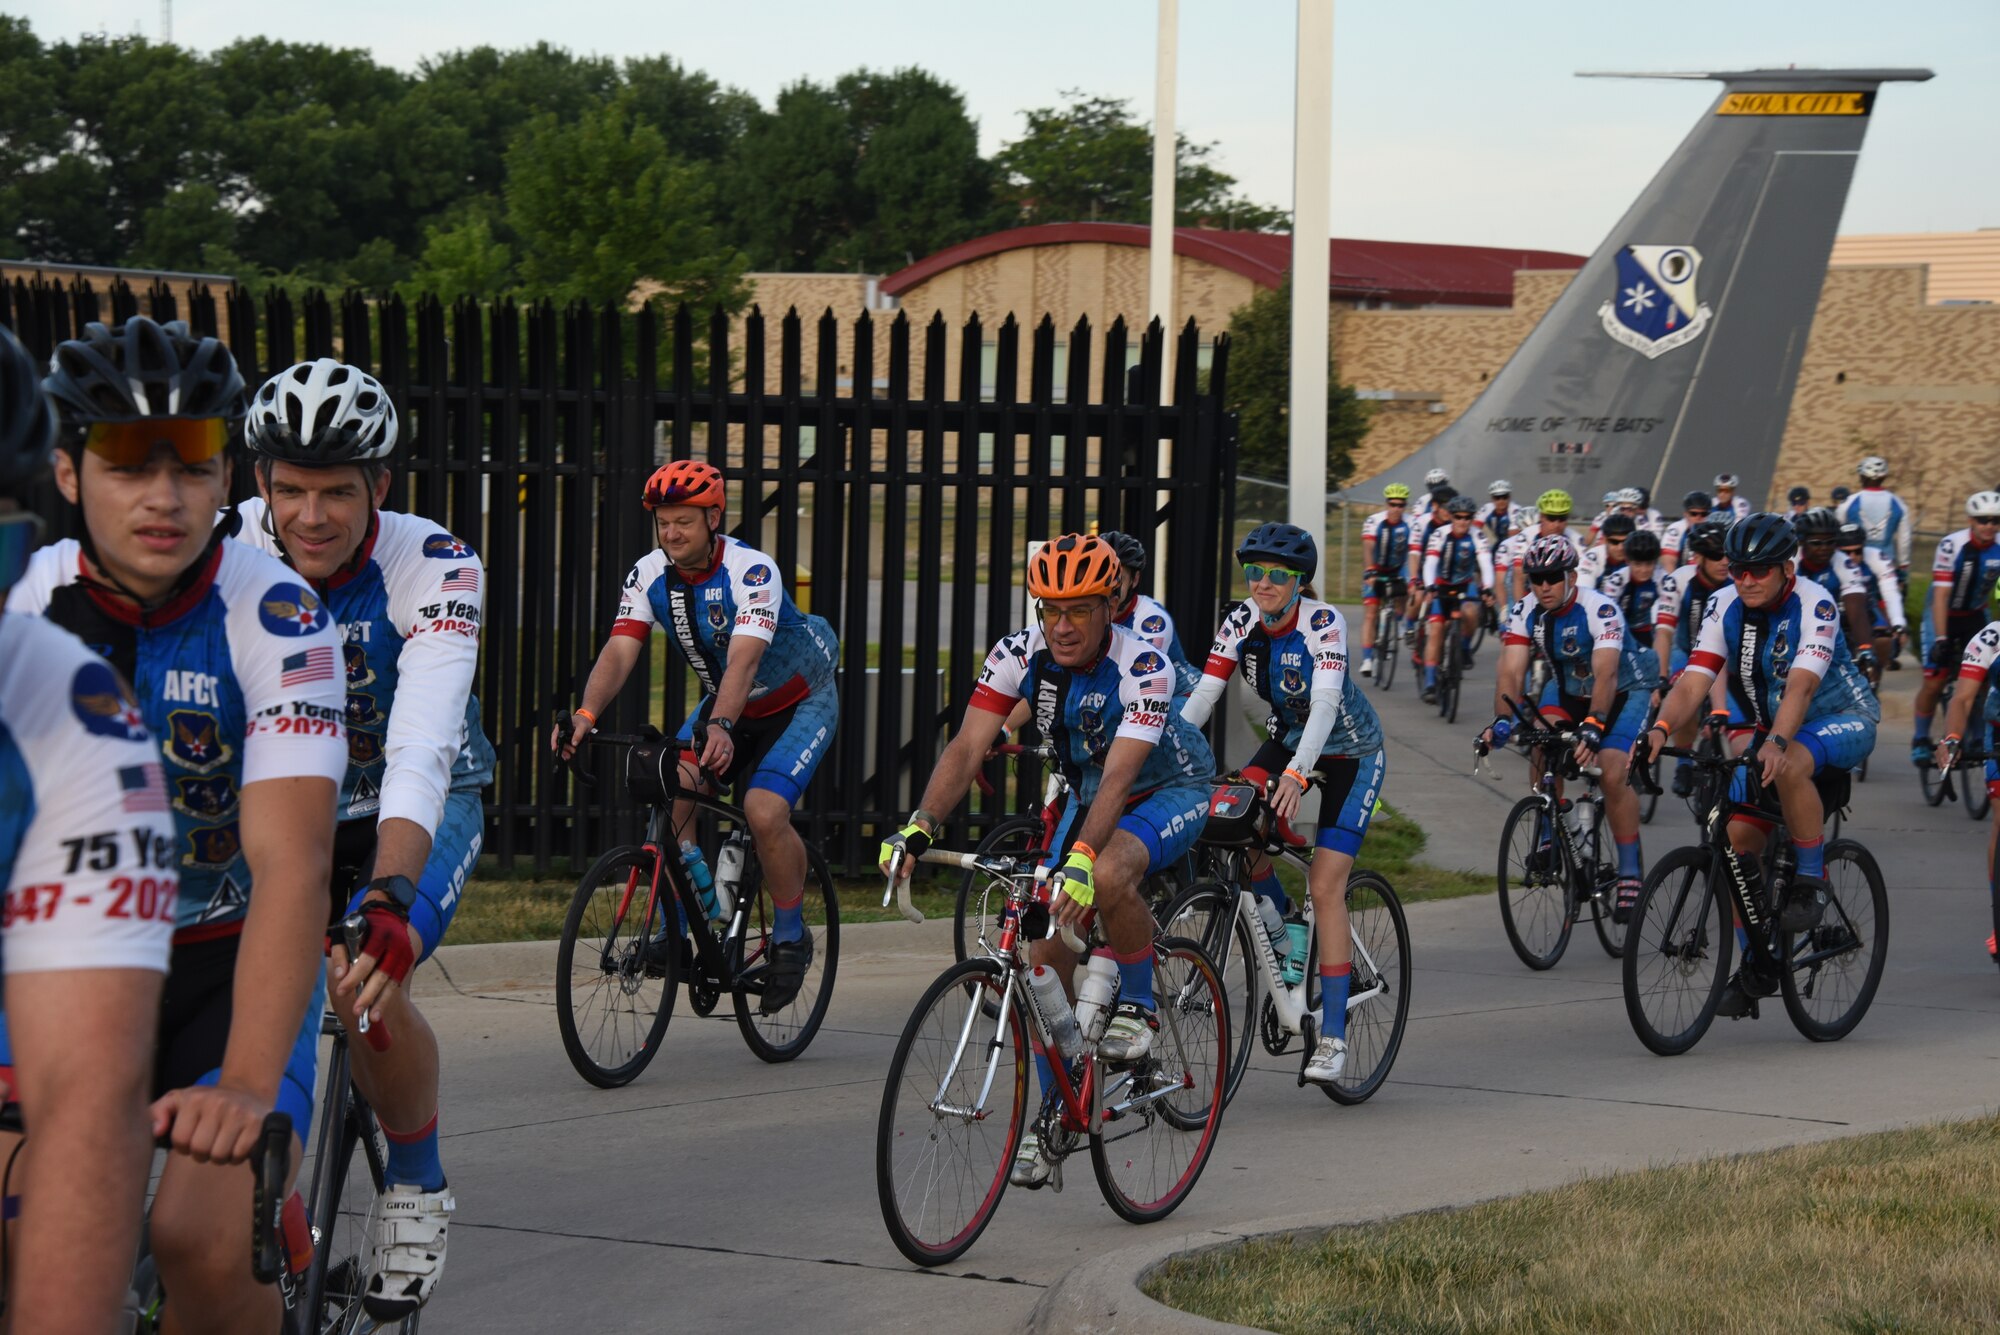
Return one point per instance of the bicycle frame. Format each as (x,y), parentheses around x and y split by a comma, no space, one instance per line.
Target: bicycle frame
(710,950)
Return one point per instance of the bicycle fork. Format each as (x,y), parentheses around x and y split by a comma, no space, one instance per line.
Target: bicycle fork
(978,1112)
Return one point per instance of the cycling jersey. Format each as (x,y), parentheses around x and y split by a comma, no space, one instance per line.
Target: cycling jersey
(1966,572)
(1975,669)
(1684,596)
(1884,518)
(1499,524)
(1127,691)
(1757,650)
(86,843)
(738,594)
(1594,565)
(1673,540)
(1291,667)
(1459,561)
(409,610)
(1884,589)
(1636,599)
(238,676)
(1509,555)
(1568,636)
(1839,576)
(1736,507)
(1385,541)
(1420,539)
(1148,618)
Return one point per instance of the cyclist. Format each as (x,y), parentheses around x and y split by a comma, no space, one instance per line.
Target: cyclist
(1800,500)
(407,597)
(1822,562)
(1437,515)
(234,661)
(1141,613)
(1975,672)
(1598,678)
(1635,587)
(1292,650)
(1552,508)
(1695,507)
(1727,503)
(1608,508)
(1435,481)
(83,976)
(1497,516)
(1776,640)
(1385,555)
(1889,623)
(765,668)
(1684,598)
(1964,574)
(1104,699)
(1632,504)
(1839,494)
(1882,513)
(1652,521)
(1507,556)
(1609,555)
(1458,573)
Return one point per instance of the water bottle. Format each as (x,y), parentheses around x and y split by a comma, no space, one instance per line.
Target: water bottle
(1274,927)
(1057,1017)
(1300,936)
(1094,998)
(729,873)
(698,876)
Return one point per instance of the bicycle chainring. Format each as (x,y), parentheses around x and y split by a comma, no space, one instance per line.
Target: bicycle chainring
(1273,1034)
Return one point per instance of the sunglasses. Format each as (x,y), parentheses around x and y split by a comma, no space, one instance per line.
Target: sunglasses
(1986,519)
(1738,570)
(1278,575)
(1697,514)
(1543,578)
(1396,502)
(1076,616)
(1610,541)
(194,440)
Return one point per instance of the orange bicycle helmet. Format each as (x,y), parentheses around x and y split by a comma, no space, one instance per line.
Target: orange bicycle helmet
(1076,565)
(686,482)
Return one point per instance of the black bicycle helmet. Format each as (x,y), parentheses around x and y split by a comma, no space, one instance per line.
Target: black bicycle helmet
(1697,500)
(1462,505)
(1282,544)
(141,369)
(1762,539)
(1553,552)
(322,414)
(1816,523)
(1645,497)
(1709,538)
(1840,494)
(1618,526)
(1642,546)
(1131,551)
(1797,496)
(27,421)
(1851,535)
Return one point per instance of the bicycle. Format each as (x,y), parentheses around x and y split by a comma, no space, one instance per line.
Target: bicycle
(1679,940)
(1451,659)
(1388,630)
(1941,786)
(620,936)
(1219,913)
(1551,865)
(955,1103)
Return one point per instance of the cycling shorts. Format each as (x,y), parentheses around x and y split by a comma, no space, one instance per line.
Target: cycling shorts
(1346,795)
(1451,601)
(1627,721)
(780,751)
(1959,628)
(1834,741)
(1167,821)
(454,851)
(1376,585)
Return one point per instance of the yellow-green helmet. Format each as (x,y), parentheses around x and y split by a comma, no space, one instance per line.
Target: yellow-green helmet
(1554,503)
(1395,491)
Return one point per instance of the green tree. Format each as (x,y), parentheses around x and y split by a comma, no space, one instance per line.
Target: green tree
(187,230)
(789,178)
(919,182)
(489,97)
(1259,387)
(699,118)
(600,205)
(464,259)
(1091,161)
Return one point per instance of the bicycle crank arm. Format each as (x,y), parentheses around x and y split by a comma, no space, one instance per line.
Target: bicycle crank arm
(1117,1110)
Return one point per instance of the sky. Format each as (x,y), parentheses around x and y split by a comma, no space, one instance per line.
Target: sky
(1453,120)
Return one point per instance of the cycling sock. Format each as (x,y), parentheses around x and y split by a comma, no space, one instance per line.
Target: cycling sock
(1135,976)
(1812,856)
(790,922)
(1269,887)
(1368,654)
(1920,727)
(413,1157)
(1628,856)
(1045,1069)
(1430,675)
(1333,981)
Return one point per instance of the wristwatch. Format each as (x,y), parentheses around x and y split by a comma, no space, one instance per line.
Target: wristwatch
(400,889)
(1780,742)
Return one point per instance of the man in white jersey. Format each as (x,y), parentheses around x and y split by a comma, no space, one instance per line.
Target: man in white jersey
(83,969)
(1695,507)
(1882,514)
(1727,503)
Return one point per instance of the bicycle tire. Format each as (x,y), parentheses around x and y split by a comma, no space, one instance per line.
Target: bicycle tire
(907,1156)
(1374,1027)
(1543,892)
(1016,834)
(1680,923)
(612,1029)
(1207,914)
(1937,787)
(1190,1054)
(1978,802)
(784,1034)
(1610,936)
(1387,642)
(1858,917)
(1449,675)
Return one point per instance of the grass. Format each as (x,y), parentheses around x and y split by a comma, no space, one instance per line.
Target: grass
(1891,1232)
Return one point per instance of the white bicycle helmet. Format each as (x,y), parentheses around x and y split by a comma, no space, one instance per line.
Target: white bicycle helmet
(1983,505)
(321,414)
(1500,487)
(1873,469)
(1726,481)
(1435,478)
(1610,498)
(1631,496)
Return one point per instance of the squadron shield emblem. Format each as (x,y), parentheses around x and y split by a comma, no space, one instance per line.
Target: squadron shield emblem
(1653,309)
(358,671)
(205,799)
(194,741)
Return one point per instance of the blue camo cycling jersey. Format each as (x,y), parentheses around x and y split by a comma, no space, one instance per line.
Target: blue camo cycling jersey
(1301,659)
(1148,618)
(409,606)
(739,593)
(1840,576)
(1684,596)
(1459,560)
(1756,651)
(1569,636)
(1385,540)
(1964,574)
(1975,670)
(1128,690)
(1636,598)
(239,679)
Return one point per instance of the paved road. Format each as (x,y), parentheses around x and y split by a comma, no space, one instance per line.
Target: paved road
(717,1193)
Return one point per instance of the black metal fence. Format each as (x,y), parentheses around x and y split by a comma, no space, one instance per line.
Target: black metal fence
(906,470)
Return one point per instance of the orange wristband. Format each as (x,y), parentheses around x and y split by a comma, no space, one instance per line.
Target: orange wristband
(1301,780)
(581,712)
(1593,719)
(1078,846)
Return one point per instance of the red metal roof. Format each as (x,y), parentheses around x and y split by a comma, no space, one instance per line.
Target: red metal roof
(1403,271)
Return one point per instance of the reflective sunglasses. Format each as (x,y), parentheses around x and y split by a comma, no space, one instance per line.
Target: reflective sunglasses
(1986,519)
(1278,575)
(1759,570)
(1697,514)
(1547,577)
(20,534)
(1076,616)
(194,440)
(1395,502)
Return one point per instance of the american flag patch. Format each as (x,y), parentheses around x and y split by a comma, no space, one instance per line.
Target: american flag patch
(308,665)
(465,579)
(144,787)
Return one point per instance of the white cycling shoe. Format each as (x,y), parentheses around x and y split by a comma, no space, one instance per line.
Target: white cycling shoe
(1032,1168)
(1129,1036)
(408,1239)
(1367,667)
(1329,1059)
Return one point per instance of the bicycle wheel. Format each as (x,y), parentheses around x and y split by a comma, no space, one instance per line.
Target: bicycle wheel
(1609,934)
(784,1033)
(1677,952)
(1015,835)
(1387,641)
(1937,786)
(1207,915)
(1450,671)
(1837,966)
(1159,1118)
(612,1004)
(1978,802)
(1535,902)
(1378,1005)
(945,1139)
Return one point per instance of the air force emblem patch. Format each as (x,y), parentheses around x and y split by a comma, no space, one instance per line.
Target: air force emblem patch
(1653,309)
(292,609)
